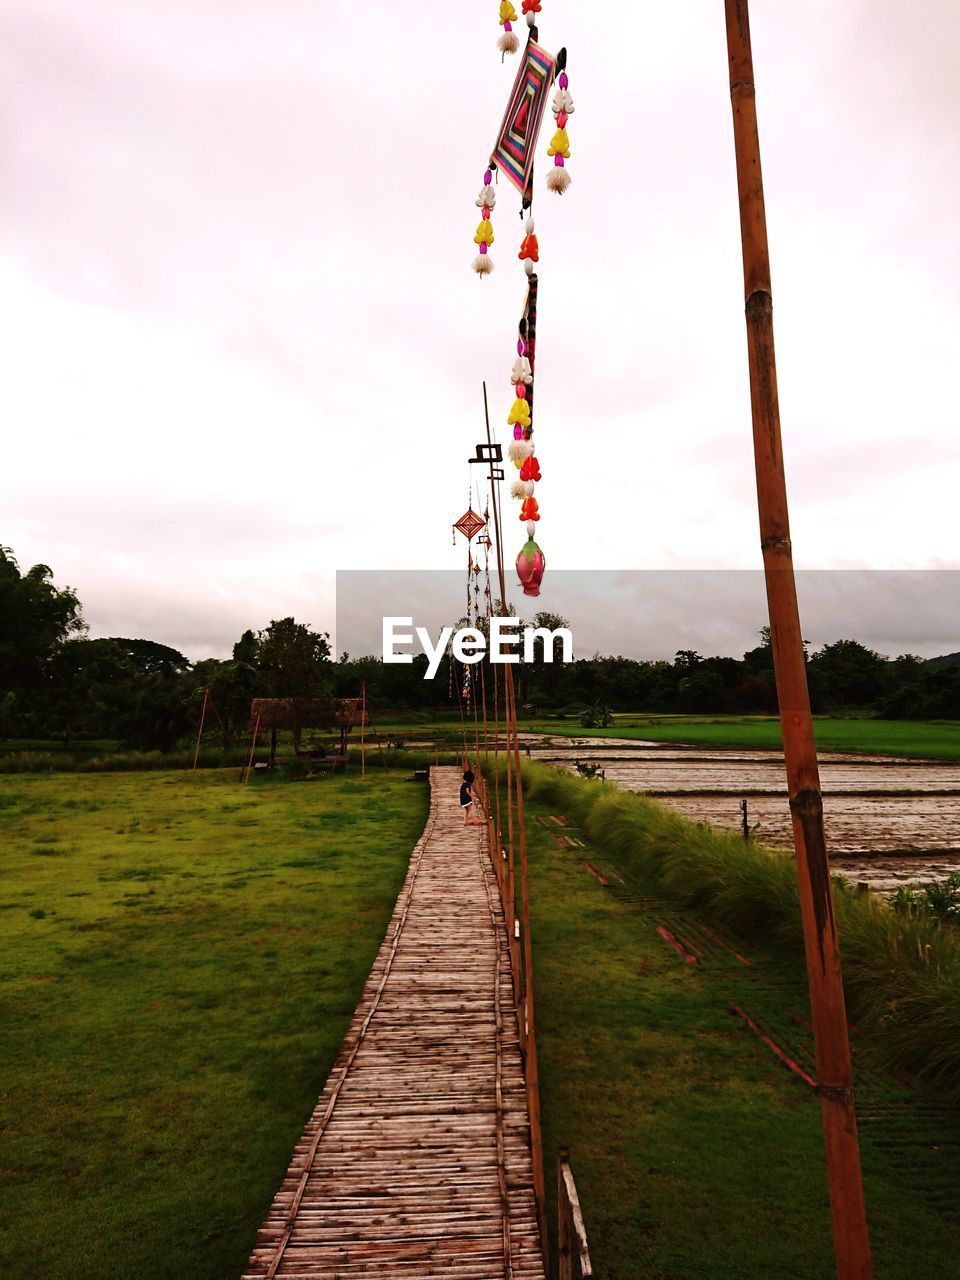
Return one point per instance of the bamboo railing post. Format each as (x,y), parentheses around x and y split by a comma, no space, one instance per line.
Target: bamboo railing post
(848,1209)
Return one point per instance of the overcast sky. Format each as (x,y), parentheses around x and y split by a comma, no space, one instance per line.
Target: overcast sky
(243,347)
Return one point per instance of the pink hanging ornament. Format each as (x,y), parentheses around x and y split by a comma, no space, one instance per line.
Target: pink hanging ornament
(531,564)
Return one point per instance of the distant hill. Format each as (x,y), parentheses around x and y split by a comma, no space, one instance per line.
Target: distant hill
(945,660)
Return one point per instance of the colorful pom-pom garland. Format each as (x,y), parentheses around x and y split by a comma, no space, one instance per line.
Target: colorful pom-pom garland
(483,237)
(562,107)
(522,119)
(508,42)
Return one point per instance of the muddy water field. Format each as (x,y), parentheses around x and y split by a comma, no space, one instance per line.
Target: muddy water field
(889,820)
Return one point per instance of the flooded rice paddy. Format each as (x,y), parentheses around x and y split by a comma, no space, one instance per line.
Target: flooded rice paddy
(889,821)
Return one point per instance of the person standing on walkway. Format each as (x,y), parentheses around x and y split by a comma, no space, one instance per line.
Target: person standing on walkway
(466,799)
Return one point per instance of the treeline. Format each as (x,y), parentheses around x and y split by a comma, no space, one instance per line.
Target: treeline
(55,682)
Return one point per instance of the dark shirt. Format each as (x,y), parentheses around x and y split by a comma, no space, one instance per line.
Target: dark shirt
(465,796)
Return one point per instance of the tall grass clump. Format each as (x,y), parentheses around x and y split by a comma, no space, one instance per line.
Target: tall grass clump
(901,968)
(68,761)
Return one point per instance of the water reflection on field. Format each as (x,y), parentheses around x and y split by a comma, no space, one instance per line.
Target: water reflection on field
(889,821)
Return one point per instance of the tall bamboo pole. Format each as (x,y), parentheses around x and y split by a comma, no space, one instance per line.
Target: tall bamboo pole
(525,1010)
(851,1238)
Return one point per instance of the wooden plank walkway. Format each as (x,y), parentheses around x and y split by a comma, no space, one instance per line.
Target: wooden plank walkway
(416,1161)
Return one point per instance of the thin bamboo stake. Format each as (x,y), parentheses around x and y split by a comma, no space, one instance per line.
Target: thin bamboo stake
(253,746)
(363,716)
(851,1237)
(203,716)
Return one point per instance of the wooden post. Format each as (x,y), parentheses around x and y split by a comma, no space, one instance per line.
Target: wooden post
(203,716)
(851,1237)
(572,1232)
(363,716)
(564,1251)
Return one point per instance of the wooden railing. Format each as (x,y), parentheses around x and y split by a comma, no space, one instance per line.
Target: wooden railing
(518,938)
(574,1256)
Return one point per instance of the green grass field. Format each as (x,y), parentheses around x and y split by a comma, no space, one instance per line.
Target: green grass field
(180,959)
(932,739)
(937,739)
(697,1155)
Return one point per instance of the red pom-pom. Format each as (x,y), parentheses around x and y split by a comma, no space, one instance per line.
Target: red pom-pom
(530,249)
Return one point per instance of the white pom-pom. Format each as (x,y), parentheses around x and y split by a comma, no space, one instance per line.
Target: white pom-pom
(558,180)
(521,371)
(529,489)
(508,43)
(519,450)
(531,19)
(518,489)
(529,224)
(528,266)
(531,528)
(483,264)
(562,101)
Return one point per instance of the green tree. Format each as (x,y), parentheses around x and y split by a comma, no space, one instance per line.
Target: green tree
(36,617)
(846,674)
(292,660)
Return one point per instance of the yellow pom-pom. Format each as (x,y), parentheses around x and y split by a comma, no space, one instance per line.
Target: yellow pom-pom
(484,233)
(560,146)
(520,413)
(507,12)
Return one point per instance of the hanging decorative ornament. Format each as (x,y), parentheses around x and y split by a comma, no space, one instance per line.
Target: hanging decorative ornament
(530,566)
(562,107)
(483,263)
(485,542)
(469,524)
(515,149)
(519,415)
(529,249)
(513,154)
(508,42)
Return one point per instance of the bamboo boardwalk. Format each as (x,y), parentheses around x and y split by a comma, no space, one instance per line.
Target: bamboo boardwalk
(416,1161)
